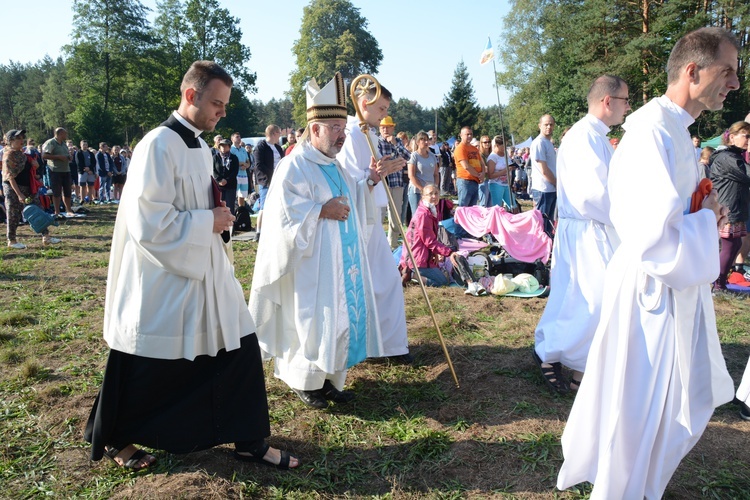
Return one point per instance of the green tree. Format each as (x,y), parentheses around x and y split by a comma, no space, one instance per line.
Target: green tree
(333,37)
(11,77)
(553,50)
(213,34)
(460,105)
(110,37)
(58,98)
(410,116)
(489,123)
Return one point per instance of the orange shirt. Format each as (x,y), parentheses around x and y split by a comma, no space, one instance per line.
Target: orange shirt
(465,151)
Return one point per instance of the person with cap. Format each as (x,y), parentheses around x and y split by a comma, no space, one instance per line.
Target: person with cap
(312,297)
(226,168)
(390,145)
(184,371)
(356,158)
(20,186)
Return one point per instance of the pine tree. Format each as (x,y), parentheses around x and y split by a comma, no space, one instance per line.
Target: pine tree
(333,37)
(460,105)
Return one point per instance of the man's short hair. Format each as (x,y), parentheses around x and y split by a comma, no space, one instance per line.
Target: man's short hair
(384,92)
(59,130)
(200,74)
(237,134)
(700,47)
(272,129)
(102,145)
(603,86)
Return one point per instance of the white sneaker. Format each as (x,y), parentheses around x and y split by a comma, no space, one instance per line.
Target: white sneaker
(50,240)
(471,289)
(16,245)
(480,289)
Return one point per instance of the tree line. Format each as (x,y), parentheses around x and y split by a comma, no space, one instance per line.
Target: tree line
(552,51)
(120,75)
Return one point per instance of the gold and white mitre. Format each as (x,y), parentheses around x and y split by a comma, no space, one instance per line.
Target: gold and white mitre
(328,102)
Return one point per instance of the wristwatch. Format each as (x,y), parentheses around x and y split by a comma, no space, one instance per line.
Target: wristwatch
(371,182)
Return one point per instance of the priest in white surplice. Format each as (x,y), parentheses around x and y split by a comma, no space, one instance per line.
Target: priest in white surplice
(585,239)
(311,297)
(184,371)
(356,157)
(655,371)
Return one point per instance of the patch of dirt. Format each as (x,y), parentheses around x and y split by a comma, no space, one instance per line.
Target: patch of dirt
(187,485)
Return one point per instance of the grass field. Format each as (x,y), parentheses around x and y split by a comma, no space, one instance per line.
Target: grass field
(409,434)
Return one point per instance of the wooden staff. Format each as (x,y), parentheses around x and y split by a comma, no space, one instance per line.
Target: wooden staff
(362,85)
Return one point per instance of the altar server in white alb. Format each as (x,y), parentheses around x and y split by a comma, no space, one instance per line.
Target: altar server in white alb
(311,298)
(655,371)
(356,158)
(184,371)
(585,239)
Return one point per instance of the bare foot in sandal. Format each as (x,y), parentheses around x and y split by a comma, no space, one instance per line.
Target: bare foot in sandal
(130,457)
(272,456)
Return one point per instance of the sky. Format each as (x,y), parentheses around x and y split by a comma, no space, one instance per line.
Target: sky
(422,43)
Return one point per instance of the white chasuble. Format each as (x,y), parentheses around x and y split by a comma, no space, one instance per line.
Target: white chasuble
(299,292)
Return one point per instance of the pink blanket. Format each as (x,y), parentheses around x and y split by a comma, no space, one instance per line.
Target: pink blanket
(522,235)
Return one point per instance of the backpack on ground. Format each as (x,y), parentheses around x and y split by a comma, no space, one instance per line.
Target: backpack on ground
(243,221)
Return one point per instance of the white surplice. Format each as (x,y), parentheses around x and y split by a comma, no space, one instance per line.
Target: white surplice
(655,371)
(584,243)
(298,295)
(386,280)
(171,290)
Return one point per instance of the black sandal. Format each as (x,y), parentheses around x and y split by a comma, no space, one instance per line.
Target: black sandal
(132,462)
(256,456)
(552,374)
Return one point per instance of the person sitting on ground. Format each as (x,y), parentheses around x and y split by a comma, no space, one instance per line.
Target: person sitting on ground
(428,251)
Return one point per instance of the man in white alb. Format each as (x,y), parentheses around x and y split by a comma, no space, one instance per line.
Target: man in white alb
(584,240)
(356,159)
(655,371)
(311,298)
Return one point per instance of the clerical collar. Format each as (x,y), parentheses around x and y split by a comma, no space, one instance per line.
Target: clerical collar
(187,124)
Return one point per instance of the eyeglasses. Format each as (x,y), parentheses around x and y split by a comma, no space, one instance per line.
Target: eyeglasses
(336,129)
(626,99)
(746,136)
(485,142)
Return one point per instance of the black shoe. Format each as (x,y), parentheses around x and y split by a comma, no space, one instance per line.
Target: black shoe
(402,359)
(335,395)
(315,398)
(744,409)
